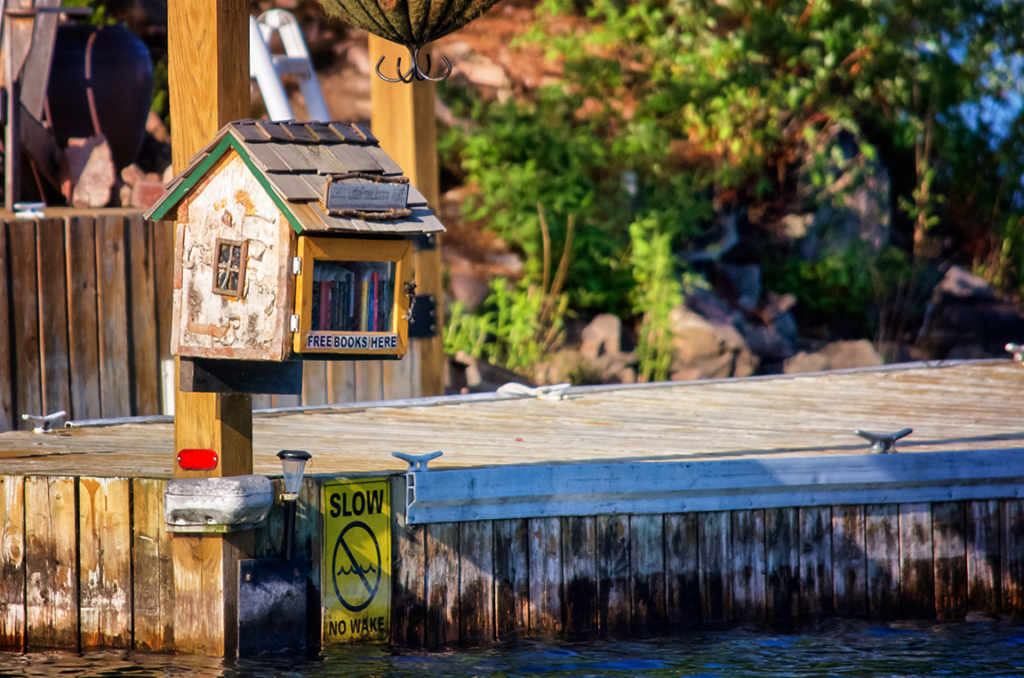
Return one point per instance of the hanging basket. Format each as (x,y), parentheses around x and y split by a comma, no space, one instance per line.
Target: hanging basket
(412,23)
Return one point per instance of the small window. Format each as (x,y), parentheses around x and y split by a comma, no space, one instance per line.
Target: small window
(230,273)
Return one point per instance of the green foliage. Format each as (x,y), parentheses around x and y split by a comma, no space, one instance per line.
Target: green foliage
(161,104)
(657,292)
(100,14)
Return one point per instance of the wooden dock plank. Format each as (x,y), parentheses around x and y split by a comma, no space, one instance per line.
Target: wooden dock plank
(105,563)
(7,414)
(983,556)
(144,366)
(115,394)
(917,571)
(83,327)
(545,563)
(511,577)
(442,541)
(25,321)
(849,561)
(579,572)
(53,315)
(782,557)
(153,578)
(950,560)
(51,563)
(682,571)
(716,592)
(747,565)
(647,564)
(408,584)
(12,563)
(882,546)
(476,582)
(614,578)
(816,560)
(1011,555)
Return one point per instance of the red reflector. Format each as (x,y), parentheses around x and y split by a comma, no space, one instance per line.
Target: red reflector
(197,460)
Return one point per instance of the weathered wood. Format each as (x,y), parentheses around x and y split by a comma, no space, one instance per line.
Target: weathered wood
(51,563)
(747,564)
(115,394)
(511,577)
(7,414)
(341,381)
(287,400)
(442,626)
(215,421)
(950,560)
(153,578)
(849,561)
(545,567)
(25,320)
(83,327)
(716,592)
(268,537)
(579,572)
(782,556)
(105,563)
(53,315)
(983,556)
(402,118)
(882,546)
(682,574)
(1011,555)
(647,564)
(614,579)
(369,380)
(12,562)
(309,530)
(816,560)
(476,582)
(408,583)
(144,367)
(917,573)
(314,382)
(398,379)
(163,273)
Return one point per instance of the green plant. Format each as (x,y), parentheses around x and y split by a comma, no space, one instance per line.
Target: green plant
(658,290)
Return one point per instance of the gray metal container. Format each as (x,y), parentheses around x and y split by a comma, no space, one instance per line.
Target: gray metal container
(217,504)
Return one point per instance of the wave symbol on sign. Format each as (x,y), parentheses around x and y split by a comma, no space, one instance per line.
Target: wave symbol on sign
(356,569)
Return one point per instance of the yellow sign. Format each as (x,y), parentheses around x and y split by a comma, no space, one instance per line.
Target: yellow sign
(357,560)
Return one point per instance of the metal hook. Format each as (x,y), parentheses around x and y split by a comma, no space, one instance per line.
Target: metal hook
(883,443)
(415,72)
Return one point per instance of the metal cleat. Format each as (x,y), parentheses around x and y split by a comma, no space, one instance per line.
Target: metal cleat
(417,463)
(883,443)
(554,392)
(43,424)
(1017,350)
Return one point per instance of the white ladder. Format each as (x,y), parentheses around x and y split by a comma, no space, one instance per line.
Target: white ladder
(268,68)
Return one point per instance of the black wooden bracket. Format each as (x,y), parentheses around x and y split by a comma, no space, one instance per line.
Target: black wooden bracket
(423,317)
(207,375)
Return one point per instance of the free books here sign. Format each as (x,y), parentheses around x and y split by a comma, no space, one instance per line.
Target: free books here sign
(357,342)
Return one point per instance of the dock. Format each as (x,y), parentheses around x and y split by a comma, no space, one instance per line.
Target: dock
(613,509)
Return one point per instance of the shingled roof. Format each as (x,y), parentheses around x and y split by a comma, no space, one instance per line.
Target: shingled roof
(292,160)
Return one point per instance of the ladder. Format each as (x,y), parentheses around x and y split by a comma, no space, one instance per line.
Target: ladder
(267,68)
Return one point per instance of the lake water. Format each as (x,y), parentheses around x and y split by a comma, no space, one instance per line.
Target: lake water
(831,648)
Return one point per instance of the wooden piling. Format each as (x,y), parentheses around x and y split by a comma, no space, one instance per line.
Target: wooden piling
(511,577)
(153,602)
(105,567)
(849,561)
(950,560)
(917,578)
(12,562)
(613,573)
(545,563)
(579,572)
(682,570)
(442,589)
(476,582)
(1011,555)
(747,563)
(983,556)
(716,583)
(815,560)
(51,563)
(882,546)
(647,565)
(782,556)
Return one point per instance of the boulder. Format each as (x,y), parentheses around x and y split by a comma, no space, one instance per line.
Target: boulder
(804,362)
(603,333)
(839,355)
(87,172)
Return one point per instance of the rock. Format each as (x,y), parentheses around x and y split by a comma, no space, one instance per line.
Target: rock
(87,172)
(603,332)
(468,289)
(695,339)
(768,343)
(804,362)
(746,280)
(144,189)
(466,374)
(959,283)
(972,352)
(844,355)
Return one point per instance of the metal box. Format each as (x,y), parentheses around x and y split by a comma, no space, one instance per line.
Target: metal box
(217,504)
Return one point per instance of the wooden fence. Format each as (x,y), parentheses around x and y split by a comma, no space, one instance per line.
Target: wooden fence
(85,297)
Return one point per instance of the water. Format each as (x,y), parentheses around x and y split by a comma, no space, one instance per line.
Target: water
(834,648)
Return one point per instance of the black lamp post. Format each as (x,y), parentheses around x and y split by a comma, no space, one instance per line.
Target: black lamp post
(293,463)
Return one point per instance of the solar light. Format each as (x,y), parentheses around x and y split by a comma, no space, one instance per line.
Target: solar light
(293,463)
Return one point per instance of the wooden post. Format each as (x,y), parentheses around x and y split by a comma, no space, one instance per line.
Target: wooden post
(402,118)
(208,45)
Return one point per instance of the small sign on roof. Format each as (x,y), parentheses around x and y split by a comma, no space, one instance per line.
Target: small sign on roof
(365,197)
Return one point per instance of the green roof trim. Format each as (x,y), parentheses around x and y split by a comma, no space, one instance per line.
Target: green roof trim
(229,141)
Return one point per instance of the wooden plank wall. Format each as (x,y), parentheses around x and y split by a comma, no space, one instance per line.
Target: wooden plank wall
(86,300)
(469,583)
(85,563)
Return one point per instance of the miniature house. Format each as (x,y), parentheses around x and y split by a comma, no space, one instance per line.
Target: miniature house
(294,240)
